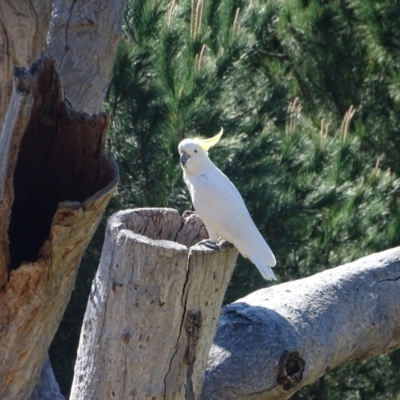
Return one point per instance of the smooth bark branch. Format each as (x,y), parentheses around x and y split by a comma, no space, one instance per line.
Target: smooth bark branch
(84,36)
(153,309)
(277,340)
(55,182)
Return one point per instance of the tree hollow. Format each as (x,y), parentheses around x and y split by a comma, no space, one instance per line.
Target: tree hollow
(55,182)
(59,159)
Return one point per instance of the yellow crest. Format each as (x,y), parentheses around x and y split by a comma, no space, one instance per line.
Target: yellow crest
(206,144)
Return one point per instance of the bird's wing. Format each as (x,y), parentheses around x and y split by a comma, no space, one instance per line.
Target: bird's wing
(222,209)
(216,198)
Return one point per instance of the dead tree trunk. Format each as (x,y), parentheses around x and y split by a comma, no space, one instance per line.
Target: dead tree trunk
(273,342)
(83,38)
(153,309)
(55,184)
(55,179)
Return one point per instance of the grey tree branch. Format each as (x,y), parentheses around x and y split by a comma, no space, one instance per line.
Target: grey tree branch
(273,342)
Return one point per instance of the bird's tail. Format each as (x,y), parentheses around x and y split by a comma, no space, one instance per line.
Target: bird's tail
(260,254)
(264,260)
(266,271)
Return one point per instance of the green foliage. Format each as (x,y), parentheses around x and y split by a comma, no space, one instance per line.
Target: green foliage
(320,178)
(372,379)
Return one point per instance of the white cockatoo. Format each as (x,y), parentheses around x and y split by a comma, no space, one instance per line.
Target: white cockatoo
(220,205)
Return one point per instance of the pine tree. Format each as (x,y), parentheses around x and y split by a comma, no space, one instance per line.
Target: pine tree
(307,93)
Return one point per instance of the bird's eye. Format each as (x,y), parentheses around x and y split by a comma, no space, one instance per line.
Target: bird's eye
(195,151)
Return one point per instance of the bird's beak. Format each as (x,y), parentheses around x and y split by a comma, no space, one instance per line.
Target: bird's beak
(184,158)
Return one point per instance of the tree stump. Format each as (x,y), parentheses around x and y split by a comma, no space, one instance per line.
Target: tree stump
(153,309)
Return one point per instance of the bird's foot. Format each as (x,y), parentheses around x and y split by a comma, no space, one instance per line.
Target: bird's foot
(210,244)
(218,245)
(222,243)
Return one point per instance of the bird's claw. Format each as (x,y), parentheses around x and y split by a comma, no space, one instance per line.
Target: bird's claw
(218,245)
(223,243)
(210,244)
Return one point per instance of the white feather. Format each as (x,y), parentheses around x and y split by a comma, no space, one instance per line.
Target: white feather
(222,209)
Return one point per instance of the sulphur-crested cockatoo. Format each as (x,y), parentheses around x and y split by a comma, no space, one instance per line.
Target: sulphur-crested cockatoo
(220,205)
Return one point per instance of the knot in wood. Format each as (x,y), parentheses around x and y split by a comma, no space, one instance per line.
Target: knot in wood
(193,325)
(291,368)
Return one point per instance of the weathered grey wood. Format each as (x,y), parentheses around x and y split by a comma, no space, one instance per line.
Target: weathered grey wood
(153,309)
(47,387)
(23,31)
(84,36)
(56,180)
(277,340)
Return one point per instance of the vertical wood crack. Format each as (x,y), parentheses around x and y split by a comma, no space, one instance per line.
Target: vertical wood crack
(66,48)
(184,305)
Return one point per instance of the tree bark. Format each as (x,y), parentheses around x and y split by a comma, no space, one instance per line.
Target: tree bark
(84,37)
(23,33)
(276,340)
(153,309)
(55,182)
